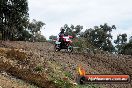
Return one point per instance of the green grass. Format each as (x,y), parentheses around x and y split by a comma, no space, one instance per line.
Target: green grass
(68,74)
(88,86)
(63,83)
(38,68)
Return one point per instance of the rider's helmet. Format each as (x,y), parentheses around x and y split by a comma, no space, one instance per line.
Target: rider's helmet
(61,34)
(62,29)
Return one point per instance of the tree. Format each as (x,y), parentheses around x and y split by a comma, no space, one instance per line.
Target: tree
(130,39)
(124,47)
(13,17)
(127,49)
(73,30)
(35,27)
(120,42)
(52,37)
(40,38)
(24,35)
(100,37)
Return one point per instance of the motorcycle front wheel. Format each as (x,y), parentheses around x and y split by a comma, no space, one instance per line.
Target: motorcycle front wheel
(70,49)
(57,48)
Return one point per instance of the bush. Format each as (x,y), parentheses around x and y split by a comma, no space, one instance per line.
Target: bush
(78,43)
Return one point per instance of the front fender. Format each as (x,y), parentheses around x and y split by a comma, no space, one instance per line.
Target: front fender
(57,42)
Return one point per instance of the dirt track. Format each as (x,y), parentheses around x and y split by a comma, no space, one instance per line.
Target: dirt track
(41,53)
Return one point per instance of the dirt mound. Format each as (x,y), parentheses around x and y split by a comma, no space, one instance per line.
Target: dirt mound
(41,62)
(9,81)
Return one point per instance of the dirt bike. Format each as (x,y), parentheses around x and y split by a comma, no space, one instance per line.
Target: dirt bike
(65,43)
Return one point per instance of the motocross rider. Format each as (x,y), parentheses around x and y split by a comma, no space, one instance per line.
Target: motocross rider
(61,34)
